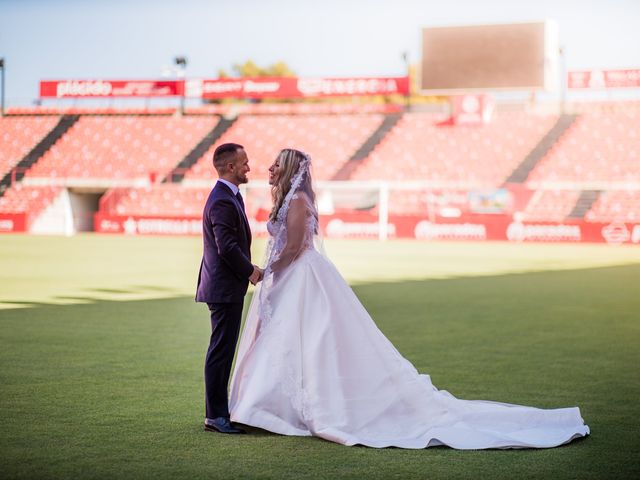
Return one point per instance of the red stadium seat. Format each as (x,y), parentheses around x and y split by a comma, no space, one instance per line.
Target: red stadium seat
(550,205)
(168,200)
(462,156)
(601,147)
(127,147)
(616,205)
(27,199)
(18,135)
(330,140)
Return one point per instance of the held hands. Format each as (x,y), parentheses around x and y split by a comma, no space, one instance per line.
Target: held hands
(257,275)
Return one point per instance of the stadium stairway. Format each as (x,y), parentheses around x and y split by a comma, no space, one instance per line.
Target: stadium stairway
(56,218)
(367,147)
(177,174)
(584,203)
(65,123)
(520,174)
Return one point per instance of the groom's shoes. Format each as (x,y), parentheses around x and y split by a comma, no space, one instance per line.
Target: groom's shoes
(221,425)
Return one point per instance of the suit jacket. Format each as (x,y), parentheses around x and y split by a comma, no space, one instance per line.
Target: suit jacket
(226,262)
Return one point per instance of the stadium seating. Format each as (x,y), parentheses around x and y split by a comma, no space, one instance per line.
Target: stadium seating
(330,140)
(601,147)
(550,205)
(407,203)
(18,135)
(423,202)
(616,205)
(27,199)
(122,147)
(224,109)
(599,152)
(464,156)
(170,200)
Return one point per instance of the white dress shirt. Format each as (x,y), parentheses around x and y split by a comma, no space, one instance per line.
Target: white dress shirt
(234,188)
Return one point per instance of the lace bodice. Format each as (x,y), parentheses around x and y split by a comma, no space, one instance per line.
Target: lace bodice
(293,233)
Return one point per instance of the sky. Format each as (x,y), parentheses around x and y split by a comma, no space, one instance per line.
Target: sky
(125,39)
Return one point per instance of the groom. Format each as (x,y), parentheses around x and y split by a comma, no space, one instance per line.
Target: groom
(225,273)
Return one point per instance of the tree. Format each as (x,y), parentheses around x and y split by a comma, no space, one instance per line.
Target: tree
(249,69)
(280,69)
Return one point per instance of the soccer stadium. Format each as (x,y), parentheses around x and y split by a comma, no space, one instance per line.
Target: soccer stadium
(521,175)
(486,214)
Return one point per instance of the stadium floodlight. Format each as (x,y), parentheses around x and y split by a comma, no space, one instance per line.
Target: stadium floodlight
(563,79)
(405,59)
(2,91)
(181,62)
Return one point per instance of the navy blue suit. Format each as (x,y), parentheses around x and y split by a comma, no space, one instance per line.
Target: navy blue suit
(222,284)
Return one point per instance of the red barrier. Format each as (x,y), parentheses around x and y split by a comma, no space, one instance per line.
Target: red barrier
(480,227)
(143,225)
(364,225)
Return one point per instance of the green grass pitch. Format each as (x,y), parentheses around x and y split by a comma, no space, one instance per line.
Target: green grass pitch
(102,346)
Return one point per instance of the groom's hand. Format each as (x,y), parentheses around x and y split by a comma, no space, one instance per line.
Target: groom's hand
(256,275)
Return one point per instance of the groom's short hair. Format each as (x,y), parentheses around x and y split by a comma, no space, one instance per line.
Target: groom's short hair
(224,153)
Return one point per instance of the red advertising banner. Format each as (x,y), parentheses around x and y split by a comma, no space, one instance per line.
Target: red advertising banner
(275,87)
(110,88)
(135,225)
(480,227)
(13,222)
(629,78)
(471,227)
(242,88)
(285,87)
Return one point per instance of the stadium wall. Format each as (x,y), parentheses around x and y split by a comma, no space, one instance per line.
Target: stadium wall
(365,225)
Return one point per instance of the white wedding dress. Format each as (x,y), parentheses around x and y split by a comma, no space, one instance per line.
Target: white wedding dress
(311,361)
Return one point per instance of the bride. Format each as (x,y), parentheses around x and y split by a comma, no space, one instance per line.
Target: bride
(311,361)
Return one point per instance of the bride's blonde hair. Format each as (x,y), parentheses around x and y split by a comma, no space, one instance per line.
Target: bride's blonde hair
(288,160)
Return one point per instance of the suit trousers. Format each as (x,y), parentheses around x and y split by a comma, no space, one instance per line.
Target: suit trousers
(225,327)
